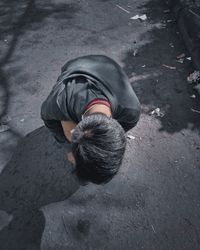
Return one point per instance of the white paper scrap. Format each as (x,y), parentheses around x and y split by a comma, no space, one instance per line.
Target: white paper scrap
(142,17)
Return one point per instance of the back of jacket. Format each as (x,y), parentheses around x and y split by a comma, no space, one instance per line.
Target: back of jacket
(85,79)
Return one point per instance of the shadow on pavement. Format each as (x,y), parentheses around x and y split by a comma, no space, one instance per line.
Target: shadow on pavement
(37,175)
(157,85)
(17,18)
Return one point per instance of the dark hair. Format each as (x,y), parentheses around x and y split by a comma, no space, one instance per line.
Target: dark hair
(98,145)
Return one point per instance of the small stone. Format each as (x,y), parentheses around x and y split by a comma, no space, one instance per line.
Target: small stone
(170,21)
(166,11)
(131,137)
(135,52)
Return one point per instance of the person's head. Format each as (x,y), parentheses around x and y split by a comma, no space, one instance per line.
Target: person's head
(98,146)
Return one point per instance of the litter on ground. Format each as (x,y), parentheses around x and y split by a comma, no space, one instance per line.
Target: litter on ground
(180,56)
(194,77)
(142,17)
(193,96)
(181,60)
(153,228)
(166,11)
(195,111)
(131,137)
(135,52)
(157,112)
(122,8)
(168,67)
(170,21)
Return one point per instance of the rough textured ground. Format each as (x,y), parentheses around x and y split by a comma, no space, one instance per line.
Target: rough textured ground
(154,202)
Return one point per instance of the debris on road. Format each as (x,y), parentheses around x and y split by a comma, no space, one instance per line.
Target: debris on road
(142,17)
(153,228)
(166,11)
(170,21)
(4,128)
(194,77)
(131,137)
(144,76)
(180,58)
(171,45)
(157,112)
(189,58)
(195,111)
(168,67)
(193,96)
(143,66)
(22,120)
(135,52)
(122,8)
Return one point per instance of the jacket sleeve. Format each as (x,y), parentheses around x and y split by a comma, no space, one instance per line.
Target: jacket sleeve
(129,117)
(54,107)
(52,113)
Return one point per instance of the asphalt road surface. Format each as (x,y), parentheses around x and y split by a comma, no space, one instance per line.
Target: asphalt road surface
(154,201)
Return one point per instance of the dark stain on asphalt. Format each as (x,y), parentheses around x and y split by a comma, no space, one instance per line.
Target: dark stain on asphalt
(169,90)
(83,226)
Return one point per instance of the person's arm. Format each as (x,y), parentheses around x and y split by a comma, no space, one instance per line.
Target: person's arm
(68,127)
(129,117)
(52,112)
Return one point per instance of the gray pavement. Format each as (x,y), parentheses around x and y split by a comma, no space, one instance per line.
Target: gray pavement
(154,202)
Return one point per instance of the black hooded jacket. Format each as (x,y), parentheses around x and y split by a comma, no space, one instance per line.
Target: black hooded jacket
(85,79)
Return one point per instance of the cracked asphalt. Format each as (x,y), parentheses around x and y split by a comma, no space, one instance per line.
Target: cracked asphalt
(154,201)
